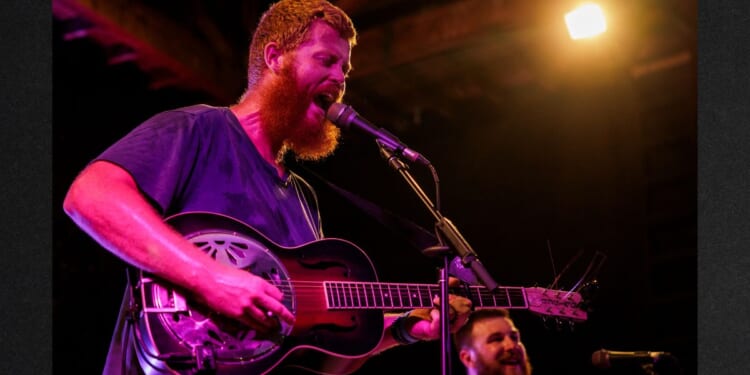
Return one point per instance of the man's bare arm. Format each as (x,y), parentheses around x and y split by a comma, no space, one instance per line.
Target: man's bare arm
(106,203)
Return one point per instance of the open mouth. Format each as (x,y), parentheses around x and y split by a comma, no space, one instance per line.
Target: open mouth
(324,100)
(510,362)
(510,359)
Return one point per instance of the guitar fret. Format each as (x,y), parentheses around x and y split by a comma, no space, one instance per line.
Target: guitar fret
(339,295)
(505,298)
(502,295)
(517,298)
(362,294)
(352,295)
(478,298)
(387,299)
(420,295)
(424,298)
(410,295)
(433,291)
(335,290)
(399,294)
(383,297)
(372,294)
(328,294)
(488,299)
(377,292)
(391,295)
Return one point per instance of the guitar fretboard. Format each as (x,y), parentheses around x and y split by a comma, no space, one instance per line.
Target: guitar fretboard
(370,295)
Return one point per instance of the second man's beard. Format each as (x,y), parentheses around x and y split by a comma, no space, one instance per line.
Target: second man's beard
(283,118)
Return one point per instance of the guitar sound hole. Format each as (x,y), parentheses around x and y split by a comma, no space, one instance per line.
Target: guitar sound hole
(231,258)
(241,245)
(176,317)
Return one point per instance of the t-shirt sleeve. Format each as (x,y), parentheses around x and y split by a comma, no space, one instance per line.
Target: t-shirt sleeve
(158,154)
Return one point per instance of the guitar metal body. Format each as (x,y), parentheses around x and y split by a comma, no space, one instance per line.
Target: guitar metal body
(177,336)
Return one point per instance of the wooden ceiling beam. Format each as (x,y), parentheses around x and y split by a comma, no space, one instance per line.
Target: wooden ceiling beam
(436,30)
(161,44)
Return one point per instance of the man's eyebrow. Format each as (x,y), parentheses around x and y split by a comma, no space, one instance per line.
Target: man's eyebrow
(327,53)
(495,335)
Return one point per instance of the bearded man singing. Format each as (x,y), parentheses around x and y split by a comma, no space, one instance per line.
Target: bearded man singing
(230,161)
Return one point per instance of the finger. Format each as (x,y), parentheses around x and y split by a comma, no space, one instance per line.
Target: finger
(454,282)
(460,304)
(252,324)
(436,302)
(435,324)
(273,291)
(258,319)
(258,314)
(435,315)
(276,308)
(423,314)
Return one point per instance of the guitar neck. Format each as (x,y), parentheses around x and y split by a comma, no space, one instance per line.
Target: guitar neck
(396,296)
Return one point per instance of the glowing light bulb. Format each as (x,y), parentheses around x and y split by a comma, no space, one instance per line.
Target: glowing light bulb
(586,21)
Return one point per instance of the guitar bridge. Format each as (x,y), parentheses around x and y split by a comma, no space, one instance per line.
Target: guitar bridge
(175,302)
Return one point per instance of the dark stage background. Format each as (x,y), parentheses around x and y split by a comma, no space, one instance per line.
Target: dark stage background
(597,158)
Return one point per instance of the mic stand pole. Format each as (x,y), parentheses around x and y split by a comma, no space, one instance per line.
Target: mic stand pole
(461,247)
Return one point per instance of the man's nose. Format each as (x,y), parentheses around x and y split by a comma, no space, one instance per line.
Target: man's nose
(337,75)
(509,343)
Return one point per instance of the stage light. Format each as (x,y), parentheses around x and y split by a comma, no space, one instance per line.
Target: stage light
(586,21)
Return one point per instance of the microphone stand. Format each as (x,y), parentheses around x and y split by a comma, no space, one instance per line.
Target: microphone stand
(460,246)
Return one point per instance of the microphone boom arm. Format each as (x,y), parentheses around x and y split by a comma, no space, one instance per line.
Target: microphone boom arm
(444,225)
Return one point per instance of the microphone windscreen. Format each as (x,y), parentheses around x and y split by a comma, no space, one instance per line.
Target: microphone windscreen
(335,111)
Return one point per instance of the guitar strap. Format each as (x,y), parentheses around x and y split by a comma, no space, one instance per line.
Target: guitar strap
(417,236)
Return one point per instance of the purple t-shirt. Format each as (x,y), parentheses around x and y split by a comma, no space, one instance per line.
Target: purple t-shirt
(199,159)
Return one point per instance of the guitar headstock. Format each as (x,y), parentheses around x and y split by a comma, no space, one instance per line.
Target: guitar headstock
(556,303)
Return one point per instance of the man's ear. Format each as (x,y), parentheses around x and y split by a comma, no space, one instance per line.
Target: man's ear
(272,55)
(467,357)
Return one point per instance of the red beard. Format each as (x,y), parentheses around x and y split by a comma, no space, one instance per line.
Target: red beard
(283,109)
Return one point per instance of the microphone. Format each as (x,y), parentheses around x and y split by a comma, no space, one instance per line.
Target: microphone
(345,117)
(607,358)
